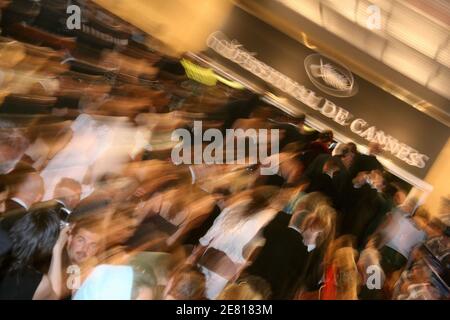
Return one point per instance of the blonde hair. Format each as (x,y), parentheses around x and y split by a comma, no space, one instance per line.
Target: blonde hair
(239,291)
(310,201)
(344,261)
(423,213)
(341,255)
(322,218)
(341,242)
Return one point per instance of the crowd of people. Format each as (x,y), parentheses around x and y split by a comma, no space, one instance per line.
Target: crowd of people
(93,207)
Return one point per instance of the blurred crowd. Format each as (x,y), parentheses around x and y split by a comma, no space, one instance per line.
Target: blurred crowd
(92,206)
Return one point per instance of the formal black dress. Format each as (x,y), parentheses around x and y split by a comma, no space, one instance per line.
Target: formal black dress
(20,284)
(194,235)
(283,260)
(13,213)
(364,213)
(311,151)
(319,181)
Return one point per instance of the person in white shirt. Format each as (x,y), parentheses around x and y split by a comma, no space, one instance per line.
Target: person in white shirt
(117,282)
(400,234)
(235,233)
(90,139)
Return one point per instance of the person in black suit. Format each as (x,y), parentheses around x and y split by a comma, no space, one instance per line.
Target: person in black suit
(292,254)
(321,175)
(365,162)
(26,189)
(363,215)
(330,175)
(24,184)
(342,179)
(319,146)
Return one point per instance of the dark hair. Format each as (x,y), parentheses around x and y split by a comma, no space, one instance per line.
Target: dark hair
(334,162)
(261,197)
(107,177)
(352,147)
(326,136)
(94,205)
(265,111)
(301,118)
(400,185)
(252,101)
(3,185)
(146,279)
(33,237)
(188,284)
(390,190)
(91,224)
(344,152)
